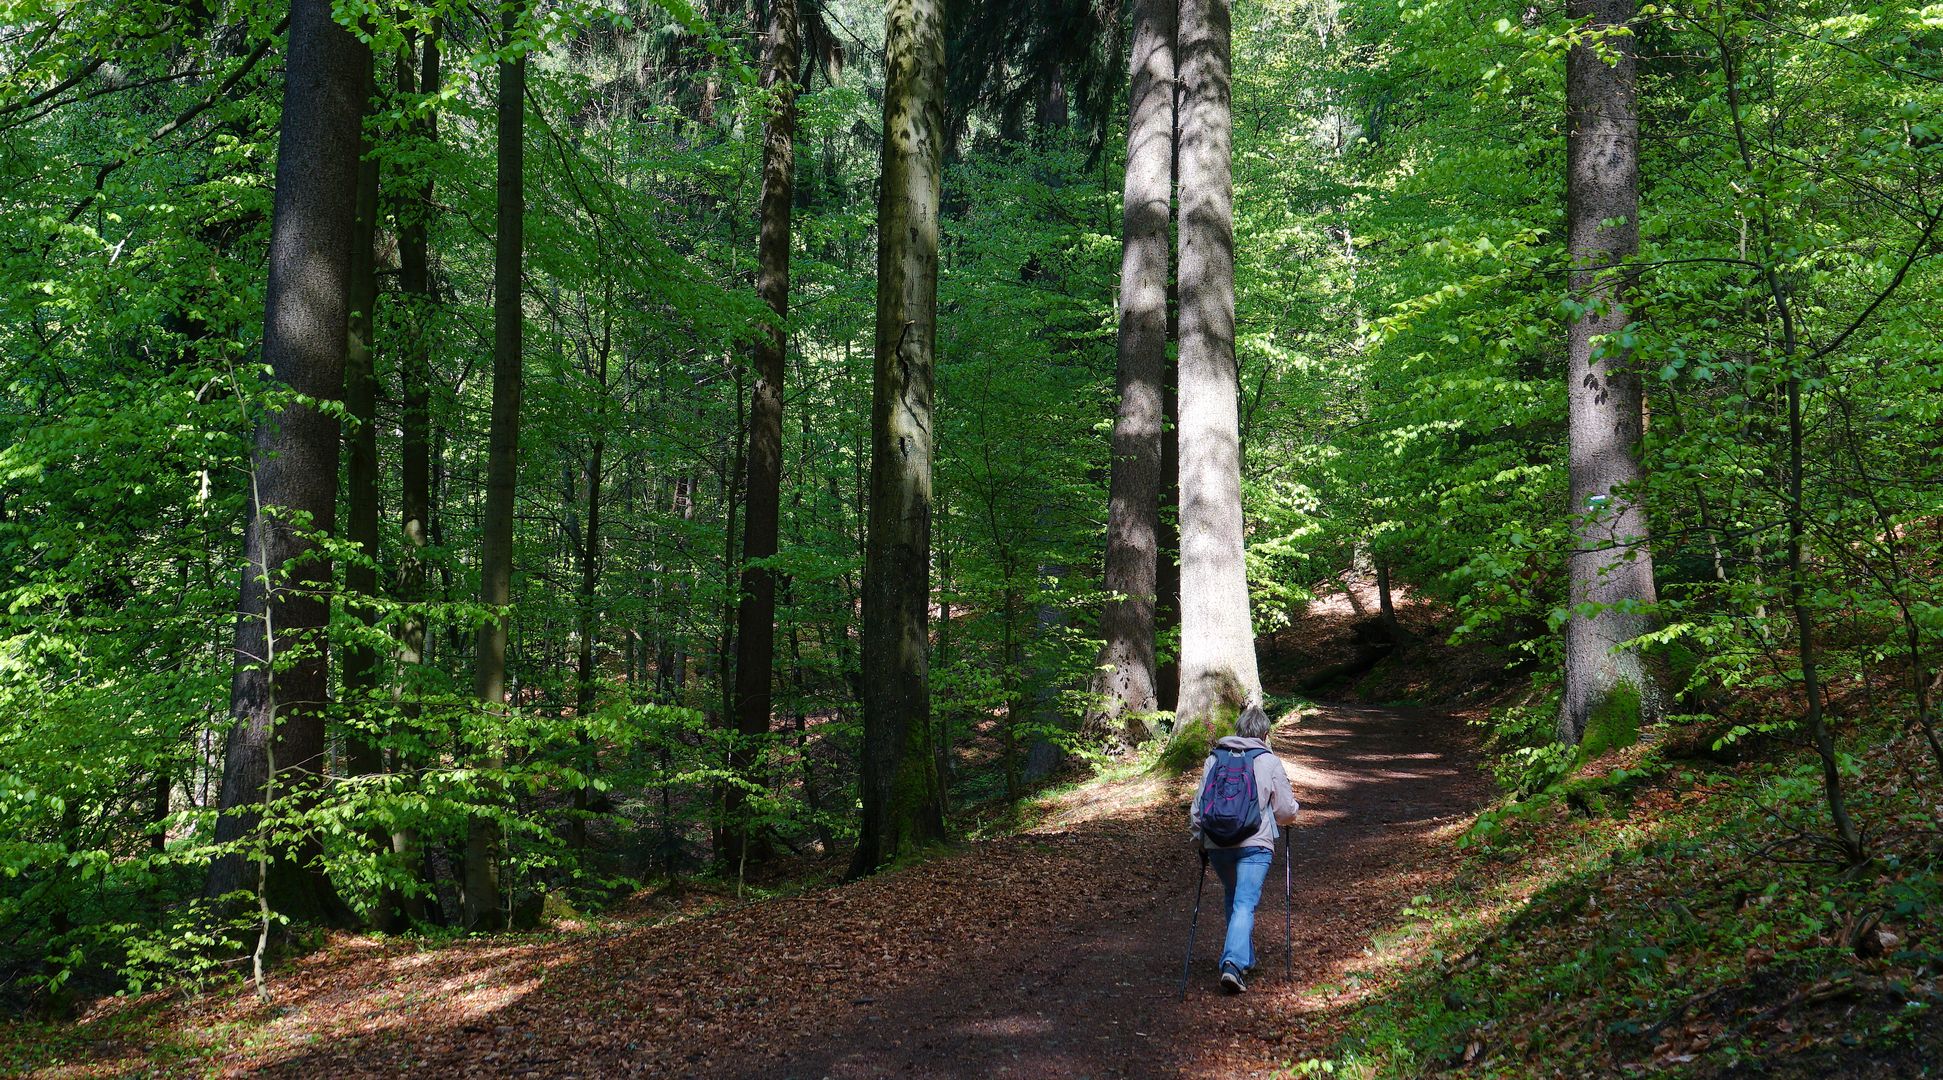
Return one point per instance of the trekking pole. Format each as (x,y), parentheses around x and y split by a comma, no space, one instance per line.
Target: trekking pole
(1288,905)
(1200,883)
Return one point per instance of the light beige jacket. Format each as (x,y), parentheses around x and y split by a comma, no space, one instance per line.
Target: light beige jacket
(1271,787)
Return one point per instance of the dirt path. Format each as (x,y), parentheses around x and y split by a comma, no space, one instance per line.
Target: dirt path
(1055,953)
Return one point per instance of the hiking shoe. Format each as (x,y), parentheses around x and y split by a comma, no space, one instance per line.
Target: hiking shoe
(1231,981)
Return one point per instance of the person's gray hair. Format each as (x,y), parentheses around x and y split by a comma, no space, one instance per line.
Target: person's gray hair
(1253,723)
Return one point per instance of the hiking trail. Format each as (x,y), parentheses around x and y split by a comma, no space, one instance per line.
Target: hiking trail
(1055,952)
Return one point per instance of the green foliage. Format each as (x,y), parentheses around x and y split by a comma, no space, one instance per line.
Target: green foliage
(1402,299)
(1664,905)
(1522,747)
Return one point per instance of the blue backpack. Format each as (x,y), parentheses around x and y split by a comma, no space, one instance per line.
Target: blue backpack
(1231,807)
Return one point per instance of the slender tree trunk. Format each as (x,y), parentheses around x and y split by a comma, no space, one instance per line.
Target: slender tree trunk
(1167,575)
(1218,672)
(415,461)
(1386,610)
(587,626)
(482,892)
(902,802)
(1167,604)
(1611,563)
(277,709)
(363,752)
(756,615)
(1811,684)
(1125,680)
(728,477)
(1814,719)
(415,373)
(161,786)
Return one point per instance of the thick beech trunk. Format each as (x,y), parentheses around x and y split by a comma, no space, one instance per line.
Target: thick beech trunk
(1218,671)
(482,905)
(1125,680)
(1611,563)
(756,615)
(902,800)
(279,690)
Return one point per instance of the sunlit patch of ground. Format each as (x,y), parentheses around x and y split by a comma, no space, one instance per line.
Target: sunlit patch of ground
(1108,798)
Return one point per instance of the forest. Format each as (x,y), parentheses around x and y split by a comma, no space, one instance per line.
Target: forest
(713,537)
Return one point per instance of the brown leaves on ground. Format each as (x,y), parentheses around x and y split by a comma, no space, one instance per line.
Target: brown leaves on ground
(1054,952)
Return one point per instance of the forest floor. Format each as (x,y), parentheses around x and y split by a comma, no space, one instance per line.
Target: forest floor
(1056,951)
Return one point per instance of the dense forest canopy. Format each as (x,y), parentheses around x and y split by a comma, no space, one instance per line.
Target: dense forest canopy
(456,455)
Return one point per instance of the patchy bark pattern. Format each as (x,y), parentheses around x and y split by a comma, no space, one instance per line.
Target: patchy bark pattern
(1125,680)
(294,456)
(482,894)
(1611,562)
(755,635)
(1218,669)
(903,806)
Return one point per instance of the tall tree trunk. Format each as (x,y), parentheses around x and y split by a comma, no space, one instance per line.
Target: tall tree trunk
(363,752)
(279,689)
(482,891)
(1125,673)
(415,373)
(1167,604)
(756,616)
(1218,670)
(1611,563)
(415,461)
(902,801)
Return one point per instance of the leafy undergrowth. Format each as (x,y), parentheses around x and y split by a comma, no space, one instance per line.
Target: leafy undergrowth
(1653,914)
(664,983)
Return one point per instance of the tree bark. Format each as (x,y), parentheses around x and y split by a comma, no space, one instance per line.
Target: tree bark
(902,803)
(483,910)
(587,625)
(363,753)
(415,375)
(1386,610)
(279,690)
(1124,679)
(1218,671)
(1167,604)
(415,462)
(756,614)
(1611,565)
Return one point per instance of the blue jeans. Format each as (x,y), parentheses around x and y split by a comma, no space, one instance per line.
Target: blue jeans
(1242,871)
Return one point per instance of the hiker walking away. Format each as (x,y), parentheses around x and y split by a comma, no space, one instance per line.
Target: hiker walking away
(1243,801)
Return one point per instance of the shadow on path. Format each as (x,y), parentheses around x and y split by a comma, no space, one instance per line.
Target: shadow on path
(1054,953)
